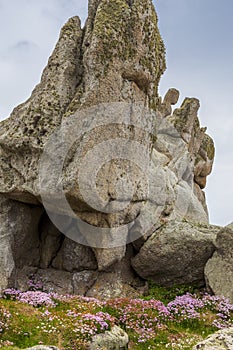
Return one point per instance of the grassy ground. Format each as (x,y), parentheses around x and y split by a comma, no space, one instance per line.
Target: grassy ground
(175,318)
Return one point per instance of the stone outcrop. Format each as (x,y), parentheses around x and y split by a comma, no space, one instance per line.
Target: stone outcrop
(219,269)
(96,142)
(19,238)
(221,340)
(116,339)
(176,254)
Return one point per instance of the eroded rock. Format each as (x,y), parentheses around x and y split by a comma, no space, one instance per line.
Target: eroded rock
(219,269)
(19,243)
(221,340)
(115,339)
(74,257)
(176,253)
(120,281)
(100,90)
(83,281)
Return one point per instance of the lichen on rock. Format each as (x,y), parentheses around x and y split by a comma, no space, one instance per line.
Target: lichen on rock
(220,340)
(111,67)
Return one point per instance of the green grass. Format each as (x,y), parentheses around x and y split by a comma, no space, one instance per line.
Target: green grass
(29,326)
(167,294)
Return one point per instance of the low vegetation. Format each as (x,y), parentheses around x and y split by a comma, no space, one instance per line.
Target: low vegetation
(173,318)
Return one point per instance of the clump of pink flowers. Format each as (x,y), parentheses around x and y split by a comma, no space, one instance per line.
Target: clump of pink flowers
(192,306)
(143,320)
(87,325)
(34,298)
(185,307)
(143,317)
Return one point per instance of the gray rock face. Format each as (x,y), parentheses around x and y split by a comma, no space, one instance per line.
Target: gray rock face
(221,340)
(19,243)
(50,279)
(6,257)
(74,257)
(111,285)
(122,162)
(176,253)
(39,116)
(50,242)
(120,281)
(116,339)
(83,281)
(219,269)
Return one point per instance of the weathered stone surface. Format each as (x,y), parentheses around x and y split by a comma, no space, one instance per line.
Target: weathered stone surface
(74,257)
(6,235)
(116,339)
(83,281)
(108,257)
(219,269)
(52,280)
(121,281)
(118,42)
(171,98)
(176,253)
(22,141)
(55,281)
(110,285)
(51,240)
(183,157)
(221,340)
(112,67)
(104,75)
(19,244)
(72,81)
(85,70)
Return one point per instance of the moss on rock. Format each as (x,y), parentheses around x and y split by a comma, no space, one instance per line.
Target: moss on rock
(129,34)
(208,146)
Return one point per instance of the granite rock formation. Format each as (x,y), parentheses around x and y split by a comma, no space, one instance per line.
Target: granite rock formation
(219,269)
(150,162)
(176,253)
(116,339)
(221,340)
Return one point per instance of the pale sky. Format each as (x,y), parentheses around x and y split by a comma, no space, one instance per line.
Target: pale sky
(198,39)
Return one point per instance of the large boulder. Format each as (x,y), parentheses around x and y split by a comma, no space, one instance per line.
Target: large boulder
(221,340)
(100,151)
(219,269)
(176,253)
